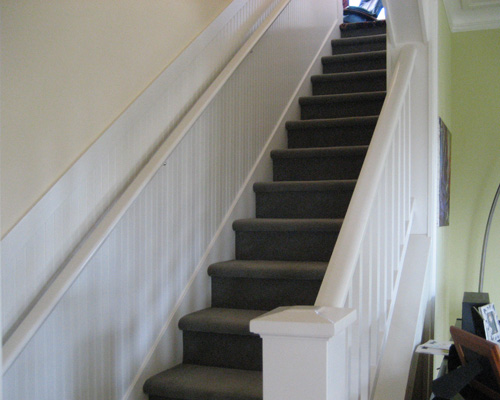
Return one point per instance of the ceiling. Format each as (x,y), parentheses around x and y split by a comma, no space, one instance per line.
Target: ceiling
(469,15)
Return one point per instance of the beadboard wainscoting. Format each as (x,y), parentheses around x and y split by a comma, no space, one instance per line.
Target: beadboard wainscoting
(117,322)
(34,250)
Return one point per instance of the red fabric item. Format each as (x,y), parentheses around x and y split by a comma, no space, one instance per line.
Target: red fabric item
(345,3)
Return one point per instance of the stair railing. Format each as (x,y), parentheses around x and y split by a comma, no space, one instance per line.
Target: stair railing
(382,192)
(332,350)
(48,300)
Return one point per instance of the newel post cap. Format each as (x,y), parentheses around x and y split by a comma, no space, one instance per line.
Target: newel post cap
(304,321)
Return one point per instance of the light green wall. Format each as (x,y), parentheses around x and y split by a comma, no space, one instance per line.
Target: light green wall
(476,116)
(469,86)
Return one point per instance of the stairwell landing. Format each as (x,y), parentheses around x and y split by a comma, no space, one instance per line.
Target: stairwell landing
(282,253)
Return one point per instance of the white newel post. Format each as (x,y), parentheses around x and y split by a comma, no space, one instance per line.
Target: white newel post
(304,352)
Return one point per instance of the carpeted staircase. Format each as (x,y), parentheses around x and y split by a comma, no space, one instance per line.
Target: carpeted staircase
(282,254)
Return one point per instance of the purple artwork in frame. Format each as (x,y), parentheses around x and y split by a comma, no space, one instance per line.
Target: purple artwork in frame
(444,173)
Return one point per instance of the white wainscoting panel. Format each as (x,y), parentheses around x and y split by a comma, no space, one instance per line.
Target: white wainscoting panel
(106,327)
(36,248)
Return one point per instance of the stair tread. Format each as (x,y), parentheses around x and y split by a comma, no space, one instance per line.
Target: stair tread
(354,56)
(339,76)
(359,40)
(331,122)
(302,186)
(288,224)
(200,382)
(360,29)
(319,152)
(262,269)
(338,98)
(197,382)
(220,320)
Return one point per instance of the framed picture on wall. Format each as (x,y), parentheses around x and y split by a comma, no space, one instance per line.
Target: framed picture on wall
(491,324)
(444,173)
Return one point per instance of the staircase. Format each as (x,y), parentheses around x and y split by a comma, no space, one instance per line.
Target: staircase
(282,254)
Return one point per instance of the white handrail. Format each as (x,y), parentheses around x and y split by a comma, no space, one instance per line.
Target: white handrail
(342,265)
(96,237)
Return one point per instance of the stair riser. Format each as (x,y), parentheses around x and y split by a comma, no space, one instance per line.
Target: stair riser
(295,222)
(285,246)
(324,168)
(341,109)
(349,86)
(357,48)
(325,204)
(161,398)
(368,64)
(330,137)
(378,30)
(263,294)
(223,350)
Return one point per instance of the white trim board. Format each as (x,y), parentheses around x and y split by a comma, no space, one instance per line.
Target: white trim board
(407,321)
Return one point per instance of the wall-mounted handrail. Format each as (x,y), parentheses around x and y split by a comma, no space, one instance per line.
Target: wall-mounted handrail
(34,319)
(342,265)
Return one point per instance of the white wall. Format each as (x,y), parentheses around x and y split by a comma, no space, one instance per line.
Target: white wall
(34,250)
(69,69)
(118,319)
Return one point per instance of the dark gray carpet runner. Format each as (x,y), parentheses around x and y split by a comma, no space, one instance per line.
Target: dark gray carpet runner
(282,254)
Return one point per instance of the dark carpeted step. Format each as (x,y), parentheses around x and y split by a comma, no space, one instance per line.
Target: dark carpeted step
(358,29)
(296,199)
(196,382)
(354,62)
(222,358)
(220,320)
(327,163)
(352,131)
(220,337)
(359,44)
(286,239)
(341,105)
(265,285)
(349,82)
